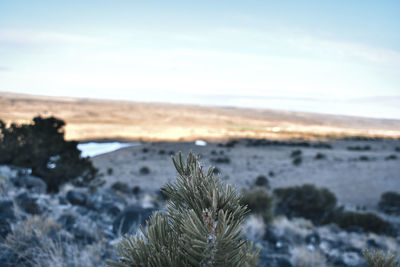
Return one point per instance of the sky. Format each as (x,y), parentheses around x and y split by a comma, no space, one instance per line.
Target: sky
(338,57)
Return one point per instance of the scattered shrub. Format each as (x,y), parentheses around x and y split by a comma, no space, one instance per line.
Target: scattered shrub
(144,170)
(296,153)
(359,148)
(261,180)
(40,241)
(136,190)
(397,149)
(213,152)
(110,171)
(161,152)
(259,201)
(145,150)
(315,204)
(224,160)
(41,147)
(390,203)
(378,258)
(297,161)
(366,221)
(229,144)
(364,158)
(271,173)
(121,187)
(391,157)
(323,145)
(320,156)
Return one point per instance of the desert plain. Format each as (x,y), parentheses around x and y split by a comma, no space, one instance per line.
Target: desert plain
(356,158)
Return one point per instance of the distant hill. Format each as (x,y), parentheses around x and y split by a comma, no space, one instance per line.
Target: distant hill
(89,119)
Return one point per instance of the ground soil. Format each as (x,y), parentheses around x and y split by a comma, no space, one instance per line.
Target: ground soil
(358,178)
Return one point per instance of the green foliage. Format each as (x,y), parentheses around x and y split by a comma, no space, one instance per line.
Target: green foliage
(201,226)
(41,147)
(297,161)
(367,221)
(315,204)
(380,259)
(319,206)
(121,187)
(259,201)
(223,160)
(296,153)
(262,181)
(144,170)
(390,203)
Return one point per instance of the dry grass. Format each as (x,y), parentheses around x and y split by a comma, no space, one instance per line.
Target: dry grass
(37,242)
(94,119)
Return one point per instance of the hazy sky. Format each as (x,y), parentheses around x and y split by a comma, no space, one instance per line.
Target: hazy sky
(339,57)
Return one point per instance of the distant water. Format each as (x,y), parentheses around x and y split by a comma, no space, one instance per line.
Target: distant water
(92,149)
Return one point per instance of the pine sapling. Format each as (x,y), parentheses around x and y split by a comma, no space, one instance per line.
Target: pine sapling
(200,227)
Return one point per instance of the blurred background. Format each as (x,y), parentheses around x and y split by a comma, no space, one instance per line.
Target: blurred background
(296,103)
(336,58)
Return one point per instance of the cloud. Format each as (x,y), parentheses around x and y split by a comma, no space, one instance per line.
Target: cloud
(4,69)
(32,37)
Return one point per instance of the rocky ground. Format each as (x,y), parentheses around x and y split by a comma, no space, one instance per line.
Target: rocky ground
(78,227)
(356,171)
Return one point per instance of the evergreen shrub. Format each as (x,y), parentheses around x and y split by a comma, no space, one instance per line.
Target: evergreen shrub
(41,147)
(390,203)
(366,221)
(259,201)
(200,227)
(315,204)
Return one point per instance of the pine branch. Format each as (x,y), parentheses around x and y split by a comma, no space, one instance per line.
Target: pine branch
(201,226)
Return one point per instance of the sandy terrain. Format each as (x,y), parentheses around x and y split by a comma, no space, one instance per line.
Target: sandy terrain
(89,119)
(353,180)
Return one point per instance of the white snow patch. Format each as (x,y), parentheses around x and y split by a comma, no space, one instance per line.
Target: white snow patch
(93,148)
(200,143)
(148,201)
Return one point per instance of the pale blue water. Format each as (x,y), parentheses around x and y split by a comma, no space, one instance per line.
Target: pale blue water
(92,149)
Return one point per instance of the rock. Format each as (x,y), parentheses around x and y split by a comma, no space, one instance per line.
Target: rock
(106,201)
(76,198)
(130,218)
(62,200)
(7,216)
(353,259)
(8,172)
(32,183)
(313,239)
(270,236)
(272,260)
(372,243)
(112,209)
(28,203)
